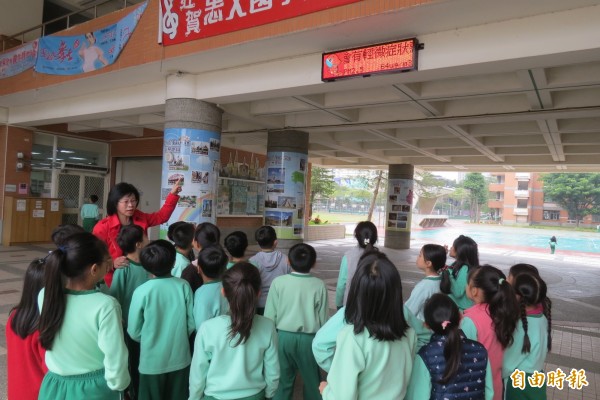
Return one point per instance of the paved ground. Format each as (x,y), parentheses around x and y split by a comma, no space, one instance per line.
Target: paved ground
(573,280)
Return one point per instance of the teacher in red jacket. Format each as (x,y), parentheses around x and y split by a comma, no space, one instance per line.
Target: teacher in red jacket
(121,209)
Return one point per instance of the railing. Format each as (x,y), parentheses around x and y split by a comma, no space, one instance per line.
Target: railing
(40,30)
(520,211)
(522,194)
(523,176)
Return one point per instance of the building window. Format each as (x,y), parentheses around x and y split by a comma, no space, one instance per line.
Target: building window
(500,178)
(521,203)
(551,215)
(595,218)
(523,185)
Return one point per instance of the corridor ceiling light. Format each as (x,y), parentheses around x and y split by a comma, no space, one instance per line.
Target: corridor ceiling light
(67,151)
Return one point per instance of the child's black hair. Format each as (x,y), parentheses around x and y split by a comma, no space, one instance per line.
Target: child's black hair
(241,285)
(518,269)
(365,234)
(501,300)
(265,237)
(73,260)
(236,244)
(128,237)
(531,290)
(62,232)
(302,257)
(207,234)
(158,257)
(375,298)
(212,260)
(183,235)
(466,254)
(93,198)
(435,254)
(172,227)
(26,313)
(443,317)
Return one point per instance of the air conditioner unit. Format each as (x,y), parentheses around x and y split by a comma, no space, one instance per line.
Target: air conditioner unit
(82,167)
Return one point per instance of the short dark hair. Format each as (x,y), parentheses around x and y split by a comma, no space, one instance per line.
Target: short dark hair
(172,227)
(212,260)
(207,234)
(375,298)
(94,198)
(158,257)
(435,254)
(236,244)
(62,232)
(302,257)
(117,192)
(182,235)
(129,236)
(265,236)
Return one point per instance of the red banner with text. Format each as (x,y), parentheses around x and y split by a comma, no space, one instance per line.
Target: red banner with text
(187,20)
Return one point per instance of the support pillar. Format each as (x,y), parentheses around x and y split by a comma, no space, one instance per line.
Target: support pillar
(399,206)
(191,150)
(287,162)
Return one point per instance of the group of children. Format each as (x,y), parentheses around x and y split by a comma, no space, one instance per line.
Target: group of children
(474,326)
(175,326)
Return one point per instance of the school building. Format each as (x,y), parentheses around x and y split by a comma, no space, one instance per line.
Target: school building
(238,97)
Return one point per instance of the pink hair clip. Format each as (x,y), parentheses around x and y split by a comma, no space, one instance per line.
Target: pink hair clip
(445,324)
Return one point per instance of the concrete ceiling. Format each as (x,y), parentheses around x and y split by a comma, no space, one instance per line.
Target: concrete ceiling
(523,115)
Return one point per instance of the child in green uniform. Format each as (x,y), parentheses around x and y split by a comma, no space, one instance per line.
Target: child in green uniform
(131,240)
(161,319)
(375,351)
(208,301)
(206,234)
(454,279)
(298,305)
(182,237)
(90,214)
(235,355)
(532,338)
(81,328)
(236,244)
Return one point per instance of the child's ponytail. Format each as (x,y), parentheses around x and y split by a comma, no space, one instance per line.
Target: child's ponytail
(71,260)
(241,284)
(443,318)
(526,342)
(26,313)
(501,299)
(532,291)
(445,283)
(365,234)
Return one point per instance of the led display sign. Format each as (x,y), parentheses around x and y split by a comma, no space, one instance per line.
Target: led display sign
(389,57)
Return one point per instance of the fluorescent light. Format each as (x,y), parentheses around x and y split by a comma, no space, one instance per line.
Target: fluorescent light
(67,151)
(35,153)
(77,158)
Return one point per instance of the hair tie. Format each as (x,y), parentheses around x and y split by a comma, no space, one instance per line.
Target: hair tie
(445,324)
(63,249)
(367,241)
(500,281)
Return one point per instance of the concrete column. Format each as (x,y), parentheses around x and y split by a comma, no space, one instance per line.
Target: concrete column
(286,171)
(399,206)
(191,150)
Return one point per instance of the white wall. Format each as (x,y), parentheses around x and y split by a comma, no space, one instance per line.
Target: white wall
(18,15)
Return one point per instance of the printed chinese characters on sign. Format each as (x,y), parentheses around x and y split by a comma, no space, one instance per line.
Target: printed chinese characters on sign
(186,20)
(576,379)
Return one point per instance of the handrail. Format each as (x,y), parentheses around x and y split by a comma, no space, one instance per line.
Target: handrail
(43,25)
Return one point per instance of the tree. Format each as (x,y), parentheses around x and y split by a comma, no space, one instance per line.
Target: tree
(579,194)
(478,193)
(321,183)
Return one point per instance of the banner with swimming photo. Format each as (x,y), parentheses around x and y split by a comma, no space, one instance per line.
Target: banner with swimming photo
(73,55)
(17,60)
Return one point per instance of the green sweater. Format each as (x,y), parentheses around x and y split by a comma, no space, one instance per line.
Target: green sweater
(340,288)
(209,302)
(297,303)
(181,262)
(90,338)
(458,288)
(125,281)
(422,291)
(537,330)
(161,319)
(224,371)
(364,367)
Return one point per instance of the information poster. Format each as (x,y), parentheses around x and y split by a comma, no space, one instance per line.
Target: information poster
(191,156)
(284,199)
(399,204)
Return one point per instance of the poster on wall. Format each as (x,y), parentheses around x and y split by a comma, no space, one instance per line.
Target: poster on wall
(17,60)
(284,197)
(399,205)
(189,158)
(72,55)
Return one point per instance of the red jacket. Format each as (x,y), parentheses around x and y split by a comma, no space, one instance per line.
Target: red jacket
(108,228)
(26,366)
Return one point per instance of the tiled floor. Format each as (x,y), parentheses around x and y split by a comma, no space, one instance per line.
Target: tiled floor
(575,345)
